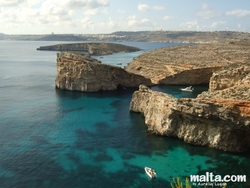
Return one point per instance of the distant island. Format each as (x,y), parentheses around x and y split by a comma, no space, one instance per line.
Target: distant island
(142,36)
(91,48)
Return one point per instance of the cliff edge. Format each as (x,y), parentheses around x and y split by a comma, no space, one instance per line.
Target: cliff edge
(219,119)
(80,72)
(188,65)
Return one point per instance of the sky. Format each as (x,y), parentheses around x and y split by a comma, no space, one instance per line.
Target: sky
(107,16)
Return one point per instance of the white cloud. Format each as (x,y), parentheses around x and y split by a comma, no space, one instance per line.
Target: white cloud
(190,24)
(157,7)
(119,11)
(208,12)
(97,3)
(91,12)
(111,23)
(51,15)
(238,13)
(135,22)
(79,4)
(204,6)
(167,17)
(143,7)
(85,21)
(17,3)
(215,24)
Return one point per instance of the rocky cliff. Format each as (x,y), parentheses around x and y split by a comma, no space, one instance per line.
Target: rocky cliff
(218,118)
(91,48)
(188,65)
(80,72)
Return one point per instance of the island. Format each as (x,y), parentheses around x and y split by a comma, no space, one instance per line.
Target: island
(91,48)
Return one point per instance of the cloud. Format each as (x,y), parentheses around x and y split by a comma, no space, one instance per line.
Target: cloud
(238,13)
(18,3)
(91,12)
(52,14)
(157,7)
(119,11)
(167,17)
(215,24)
(7,3)
(97,3)
(190,24)
(135,22)
(143,7)
(208,12)
(205,6)
(79,4)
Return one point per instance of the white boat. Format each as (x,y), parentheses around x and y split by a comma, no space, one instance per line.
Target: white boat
(150,172)
(188,89)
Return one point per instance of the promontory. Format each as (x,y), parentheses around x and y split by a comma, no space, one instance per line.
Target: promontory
(218,118)
(190,65)
(80,72)
(91,48)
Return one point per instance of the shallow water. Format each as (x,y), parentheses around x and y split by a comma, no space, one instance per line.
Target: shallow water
(53,138)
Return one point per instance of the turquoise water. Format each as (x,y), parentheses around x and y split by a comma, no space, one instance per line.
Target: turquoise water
(52,138)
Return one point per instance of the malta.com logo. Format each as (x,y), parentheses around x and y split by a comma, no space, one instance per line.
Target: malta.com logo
(215,180)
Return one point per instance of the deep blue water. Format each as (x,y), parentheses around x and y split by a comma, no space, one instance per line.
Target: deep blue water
(51,138)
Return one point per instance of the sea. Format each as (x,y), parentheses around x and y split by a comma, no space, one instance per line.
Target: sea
(51,138)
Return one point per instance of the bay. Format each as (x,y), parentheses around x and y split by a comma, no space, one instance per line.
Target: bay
(52,138)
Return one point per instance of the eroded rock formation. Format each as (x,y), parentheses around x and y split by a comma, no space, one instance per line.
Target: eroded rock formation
(218,118)
(189,65)
(80,72)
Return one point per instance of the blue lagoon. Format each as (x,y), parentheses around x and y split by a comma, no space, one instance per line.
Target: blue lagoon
(53,138)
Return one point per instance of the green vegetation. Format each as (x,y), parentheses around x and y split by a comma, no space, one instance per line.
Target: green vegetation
(178,184)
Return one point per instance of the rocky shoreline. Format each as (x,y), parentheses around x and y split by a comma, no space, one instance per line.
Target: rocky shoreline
(80,72)
(190,65)
(218,118)
(91,48)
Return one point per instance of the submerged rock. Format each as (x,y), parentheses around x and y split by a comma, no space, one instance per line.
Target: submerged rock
(80,72)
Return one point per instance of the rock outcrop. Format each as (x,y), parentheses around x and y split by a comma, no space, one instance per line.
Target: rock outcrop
(91,48)
(218,118)
(80,72)
(188,65)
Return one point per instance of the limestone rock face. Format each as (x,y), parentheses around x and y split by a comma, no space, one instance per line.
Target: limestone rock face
(231,83)
(229,76)
(189,65)
(218,118)
(80,72)
(220,124)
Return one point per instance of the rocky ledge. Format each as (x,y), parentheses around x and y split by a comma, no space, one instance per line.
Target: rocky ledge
(190,65)
(218,118)
(80,72)
(91,48)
